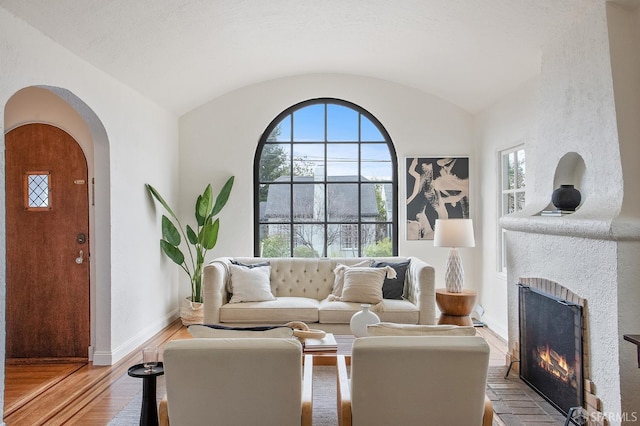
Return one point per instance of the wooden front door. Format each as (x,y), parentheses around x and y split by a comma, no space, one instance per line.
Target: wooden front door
(47,211)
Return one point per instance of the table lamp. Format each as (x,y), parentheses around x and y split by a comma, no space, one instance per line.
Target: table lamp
(454,233)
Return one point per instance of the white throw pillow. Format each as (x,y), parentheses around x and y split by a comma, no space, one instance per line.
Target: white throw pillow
(250,284)
(393,329)
(338,282)
(364,285)
(202,331)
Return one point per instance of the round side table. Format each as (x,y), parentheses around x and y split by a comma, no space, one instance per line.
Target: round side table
(455,307)
(149,411)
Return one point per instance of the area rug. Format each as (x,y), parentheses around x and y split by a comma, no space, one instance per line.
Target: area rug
(514,402)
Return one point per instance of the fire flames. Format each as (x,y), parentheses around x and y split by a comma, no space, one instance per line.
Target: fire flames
(554,363)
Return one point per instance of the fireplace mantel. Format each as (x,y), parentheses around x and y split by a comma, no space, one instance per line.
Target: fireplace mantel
(578,224)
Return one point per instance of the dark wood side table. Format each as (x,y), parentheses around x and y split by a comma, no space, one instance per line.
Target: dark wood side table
(455,307)
(149,411)
(635,339)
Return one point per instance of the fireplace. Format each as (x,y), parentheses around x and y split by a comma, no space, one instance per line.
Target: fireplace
(551,347)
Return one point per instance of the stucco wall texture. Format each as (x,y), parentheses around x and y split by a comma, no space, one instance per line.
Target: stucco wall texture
(593,252)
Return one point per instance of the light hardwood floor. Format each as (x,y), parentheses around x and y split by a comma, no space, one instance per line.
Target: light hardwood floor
(72,394)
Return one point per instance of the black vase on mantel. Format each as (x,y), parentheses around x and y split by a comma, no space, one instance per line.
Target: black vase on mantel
(566,197)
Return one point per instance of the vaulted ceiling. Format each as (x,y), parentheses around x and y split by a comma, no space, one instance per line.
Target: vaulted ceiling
(182,53)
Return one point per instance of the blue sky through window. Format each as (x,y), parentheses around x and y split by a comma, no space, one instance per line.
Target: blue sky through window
(342,127)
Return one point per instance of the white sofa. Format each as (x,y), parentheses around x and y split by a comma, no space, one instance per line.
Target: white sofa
(302,289)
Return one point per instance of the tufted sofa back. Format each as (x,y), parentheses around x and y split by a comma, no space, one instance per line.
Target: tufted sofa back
(306,277)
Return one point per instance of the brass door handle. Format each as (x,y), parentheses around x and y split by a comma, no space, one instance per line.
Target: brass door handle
(80,259)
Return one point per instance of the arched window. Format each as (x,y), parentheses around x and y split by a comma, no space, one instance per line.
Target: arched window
(325,184)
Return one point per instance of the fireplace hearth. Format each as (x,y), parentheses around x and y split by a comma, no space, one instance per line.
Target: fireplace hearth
(551,347)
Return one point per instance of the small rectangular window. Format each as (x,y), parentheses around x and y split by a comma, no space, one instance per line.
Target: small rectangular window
(512,188)
(37,191)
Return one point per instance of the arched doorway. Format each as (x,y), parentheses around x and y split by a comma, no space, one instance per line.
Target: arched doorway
(63,109)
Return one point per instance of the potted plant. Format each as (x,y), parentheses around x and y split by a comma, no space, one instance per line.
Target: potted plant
(198,242)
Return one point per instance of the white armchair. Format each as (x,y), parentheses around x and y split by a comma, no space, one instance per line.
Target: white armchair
(237,381)
(410,380)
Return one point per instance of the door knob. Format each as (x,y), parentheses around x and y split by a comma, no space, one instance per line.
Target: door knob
(80,258)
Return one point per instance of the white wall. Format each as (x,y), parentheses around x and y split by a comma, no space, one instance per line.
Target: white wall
(134,141)
(219,139)
(510,122)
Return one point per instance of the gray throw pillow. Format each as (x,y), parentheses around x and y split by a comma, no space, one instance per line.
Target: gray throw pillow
(393,288)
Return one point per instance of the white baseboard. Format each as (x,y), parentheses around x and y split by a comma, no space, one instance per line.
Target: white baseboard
(113,356)
(497,327)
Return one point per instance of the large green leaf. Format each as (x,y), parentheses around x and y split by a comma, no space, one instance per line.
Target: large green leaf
(223,196)
(205,203)
(172,252)
(199,218)
(158,197)
(209,235)
(170,232)
(191,235)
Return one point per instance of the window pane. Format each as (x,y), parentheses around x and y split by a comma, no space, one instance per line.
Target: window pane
(511,170)
(308,240)
(511,207)
(342,159)
(342,202)
(519,200)
(38,195)
(379,247)
(277,207)
(308,160)
(521,169)
(349,237)
(308,203)
(386,193)
(342,123)
(369,132)
(275,241)
(369,196)
(282,131)
(275,163)
(376,161)
(504,184)
(376,241)
(308,124)
(377,202)
(334,233)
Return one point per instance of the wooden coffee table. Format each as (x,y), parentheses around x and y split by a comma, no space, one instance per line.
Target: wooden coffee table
(345,343)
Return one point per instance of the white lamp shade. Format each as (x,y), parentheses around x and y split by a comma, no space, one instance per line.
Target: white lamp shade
(454,233)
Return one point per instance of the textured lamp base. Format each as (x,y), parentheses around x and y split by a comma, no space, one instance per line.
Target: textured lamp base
(454,275)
